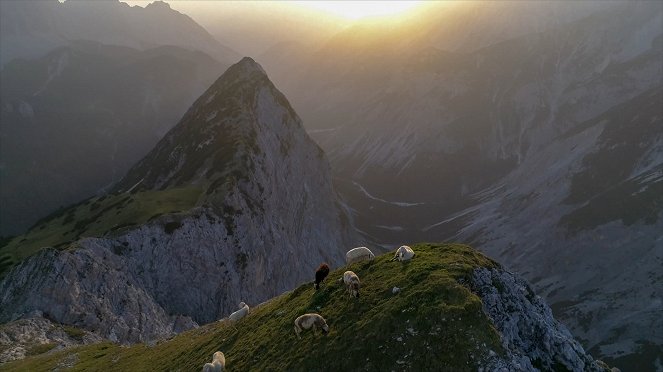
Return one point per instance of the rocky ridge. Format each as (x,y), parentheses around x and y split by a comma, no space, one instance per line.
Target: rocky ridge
(455,310)
(530,335)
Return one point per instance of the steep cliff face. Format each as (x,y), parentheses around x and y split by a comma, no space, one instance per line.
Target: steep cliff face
(260,215)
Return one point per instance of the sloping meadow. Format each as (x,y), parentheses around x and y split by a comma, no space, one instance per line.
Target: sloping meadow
(433,323)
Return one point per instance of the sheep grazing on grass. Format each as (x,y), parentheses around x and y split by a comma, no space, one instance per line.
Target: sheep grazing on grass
(241,313)
(320,274)
(218,363)
(308,321)
(403,253)
(358,254)
(351,281)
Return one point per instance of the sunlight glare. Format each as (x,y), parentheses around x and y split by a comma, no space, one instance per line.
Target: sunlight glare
(361,9)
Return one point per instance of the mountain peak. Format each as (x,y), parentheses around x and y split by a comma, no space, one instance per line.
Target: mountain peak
(249,62)
(158,5)
(213,192)
(245,75)
(225,121)
(246,66)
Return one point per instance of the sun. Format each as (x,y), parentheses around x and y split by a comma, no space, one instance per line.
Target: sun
(361,9)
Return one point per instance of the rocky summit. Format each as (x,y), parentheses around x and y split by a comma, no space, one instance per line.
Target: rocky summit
(234,204)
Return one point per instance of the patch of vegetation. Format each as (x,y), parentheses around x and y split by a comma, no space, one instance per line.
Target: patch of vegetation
(499,285)
(39,349)
(73,332)
(119,250)
(4,240)
(6,263)
(229,213)
(433,323)
(242,260)
(126,225)
(170,227)
(69,217)
(57,213)
(96,217)
(560,367)
(255,206)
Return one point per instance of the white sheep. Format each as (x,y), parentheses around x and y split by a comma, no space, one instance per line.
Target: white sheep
(308,321)
(358,254)
(351,281)
(403,253)
(239,314)
(218,363)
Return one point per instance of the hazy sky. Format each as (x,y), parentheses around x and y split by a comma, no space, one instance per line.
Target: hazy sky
(360,9)
(253,27)
(347,9)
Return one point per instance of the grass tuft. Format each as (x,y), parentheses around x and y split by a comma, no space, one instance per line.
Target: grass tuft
(39,349)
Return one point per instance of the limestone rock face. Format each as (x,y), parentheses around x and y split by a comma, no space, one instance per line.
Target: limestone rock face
(266,218)
(530,334)
(20,337)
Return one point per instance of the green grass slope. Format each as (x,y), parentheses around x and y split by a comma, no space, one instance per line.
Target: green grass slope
(433,323)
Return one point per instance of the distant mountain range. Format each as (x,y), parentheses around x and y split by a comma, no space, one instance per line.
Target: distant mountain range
(75,120)
(30,29)
(253,27)
(97,83)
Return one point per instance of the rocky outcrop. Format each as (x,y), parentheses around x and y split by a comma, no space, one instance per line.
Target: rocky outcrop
(530,335)
(36,334)
(266,218)
(89,288)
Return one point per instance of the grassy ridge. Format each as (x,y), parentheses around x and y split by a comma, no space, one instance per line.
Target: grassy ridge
(95,217)
(433,323)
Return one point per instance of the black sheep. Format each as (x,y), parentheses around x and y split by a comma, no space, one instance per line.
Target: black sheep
(320,274)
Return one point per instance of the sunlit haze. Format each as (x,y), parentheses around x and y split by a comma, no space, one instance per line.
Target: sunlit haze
(351,10)
(361,9)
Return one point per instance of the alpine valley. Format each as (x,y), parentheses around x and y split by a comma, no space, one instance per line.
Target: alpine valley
(539,142)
